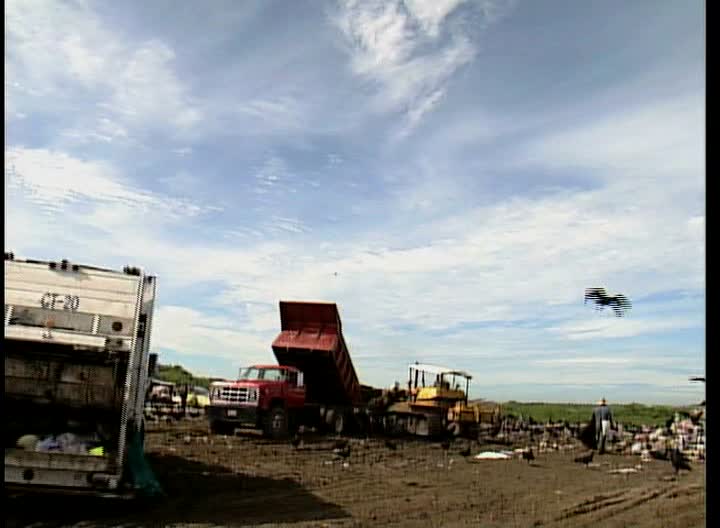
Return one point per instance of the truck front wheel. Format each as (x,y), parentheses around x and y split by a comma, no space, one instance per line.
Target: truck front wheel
(276,423)
(217,427)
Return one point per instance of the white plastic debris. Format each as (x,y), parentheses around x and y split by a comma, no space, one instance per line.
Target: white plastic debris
(637,448)
(623,471)
(492,455)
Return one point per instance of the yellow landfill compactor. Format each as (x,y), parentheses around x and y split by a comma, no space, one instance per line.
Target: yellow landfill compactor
(437,404)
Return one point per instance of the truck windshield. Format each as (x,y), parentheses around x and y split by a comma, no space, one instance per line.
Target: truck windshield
(263,374)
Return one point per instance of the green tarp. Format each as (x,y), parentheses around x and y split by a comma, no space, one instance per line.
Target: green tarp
(142,475)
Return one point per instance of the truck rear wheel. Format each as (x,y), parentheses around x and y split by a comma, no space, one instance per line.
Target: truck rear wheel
(335,421)
(276,423)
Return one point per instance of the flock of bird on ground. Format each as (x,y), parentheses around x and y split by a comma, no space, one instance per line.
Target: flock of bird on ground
(342,450)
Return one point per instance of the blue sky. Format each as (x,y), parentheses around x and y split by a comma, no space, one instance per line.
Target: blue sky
(466,168)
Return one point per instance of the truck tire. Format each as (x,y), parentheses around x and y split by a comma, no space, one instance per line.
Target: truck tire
(364,425)
(276,423)
(335,421)
(454,429)
(217,427)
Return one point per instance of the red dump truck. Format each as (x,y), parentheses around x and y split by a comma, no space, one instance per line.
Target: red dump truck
(313,385)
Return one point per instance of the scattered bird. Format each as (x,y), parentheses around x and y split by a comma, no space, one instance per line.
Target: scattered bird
(619,303)
(528,455)
(296,440)
(585,459)
(445,444)
(678,460)
(342,452)
(658,455)
(391,445)
(466,452)
(340,444)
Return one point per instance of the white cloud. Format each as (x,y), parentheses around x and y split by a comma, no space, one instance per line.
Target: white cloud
(280,114)
(191,332)
(134,82)
(89,194)
(604,360)
(397,46)
(612,327)
(56,177)
(101,130)
(147,89)
(431,13)
(665,135)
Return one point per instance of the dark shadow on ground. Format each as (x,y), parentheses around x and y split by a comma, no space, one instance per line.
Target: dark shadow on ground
(196,493)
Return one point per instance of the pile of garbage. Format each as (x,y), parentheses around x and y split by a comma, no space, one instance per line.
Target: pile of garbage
(68,443)
(685,433)
(546,436)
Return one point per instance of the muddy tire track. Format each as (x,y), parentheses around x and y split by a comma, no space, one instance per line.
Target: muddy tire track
(602,507)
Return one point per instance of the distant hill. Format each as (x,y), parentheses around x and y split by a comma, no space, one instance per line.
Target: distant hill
(177,374)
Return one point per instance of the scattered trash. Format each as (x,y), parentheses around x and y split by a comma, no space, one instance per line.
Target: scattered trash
(28,442)
(492,455)
(623,471)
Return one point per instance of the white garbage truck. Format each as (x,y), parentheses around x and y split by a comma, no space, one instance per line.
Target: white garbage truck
(77,342)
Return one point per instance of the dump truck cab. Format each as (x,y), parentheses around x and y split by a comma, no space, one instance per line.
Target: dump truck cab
(264,397)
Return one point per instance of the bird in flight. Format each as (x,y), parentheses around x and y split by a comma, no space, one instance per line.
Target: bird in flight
(619,303)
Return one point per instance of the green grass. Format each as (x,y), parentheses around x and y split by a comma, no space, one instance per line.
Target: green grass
(629,413)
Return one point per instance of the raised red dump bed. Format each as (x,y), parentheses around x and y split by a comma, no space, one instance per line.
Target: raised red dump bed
(311,340)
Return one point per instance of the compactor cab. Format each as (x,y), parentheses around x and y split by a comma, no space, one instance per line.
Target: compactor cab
(431,386)
(437,399)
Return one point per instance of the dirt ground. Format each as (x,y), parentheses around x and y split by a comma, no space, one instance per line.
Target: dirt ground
(244,480)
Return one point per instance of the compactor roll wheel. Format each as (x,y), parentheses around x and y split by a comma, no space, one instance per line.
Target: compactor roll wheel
(454,429)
